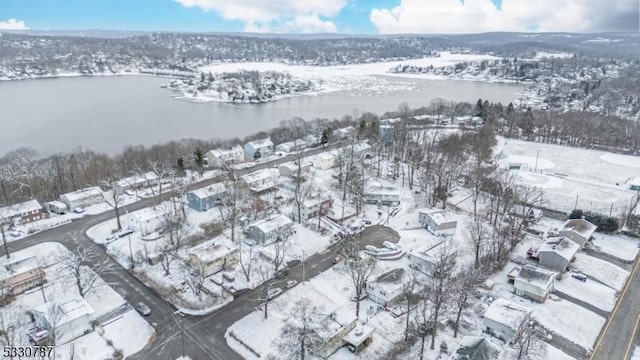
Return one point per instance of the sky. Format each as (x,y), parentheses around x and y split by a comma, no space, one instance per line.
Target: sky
(323,16)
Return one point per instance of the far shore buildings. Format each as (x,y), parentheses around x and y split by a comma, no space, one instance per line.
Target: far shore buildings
(221,157)
(83,197)
(22,213)
(438,222)
(264,146)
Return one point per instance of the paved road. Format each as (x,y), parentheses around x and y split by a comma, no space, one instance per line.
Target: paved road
(203,335)
(621,329)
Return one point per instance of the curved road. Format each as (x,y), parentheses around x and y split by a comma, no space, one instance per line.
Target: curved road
(203,336)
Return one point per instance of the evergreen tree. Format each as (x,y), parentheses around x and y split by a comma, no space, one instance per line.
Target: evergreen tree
(257,155)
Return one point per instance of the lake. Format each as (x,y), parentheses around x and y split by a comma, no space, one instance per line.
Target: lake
(106,113)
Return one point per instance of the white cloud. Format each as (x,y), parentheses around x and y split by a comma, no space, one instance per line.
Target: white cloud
(470,16)
(13,24)
(275,15)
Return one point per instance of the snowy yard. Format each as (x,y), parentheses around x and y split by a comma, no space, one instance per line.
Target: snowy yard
(601,270)
(591,292)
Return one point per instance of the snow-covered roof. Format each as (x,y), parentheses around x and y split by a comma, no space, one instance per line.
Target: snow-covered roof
(211,251)
(507,313)
(137,179)
(65,310)
(560,245)
(325,156)
(22,266)
(83,193)
(382,190)
(345,130)
(476,348)
(211,190)
(260,175)
(634,181)
(260,143)
(337,320)
(311,203)
(221,153)
(536,276)
(439,216)
(10,211)
(358,335)
(391,281)
(579,226)
(272,224)
(426,253)
(390,121)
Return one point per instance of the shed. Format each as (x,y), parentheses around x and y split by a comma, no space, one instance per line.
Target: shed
(83,197)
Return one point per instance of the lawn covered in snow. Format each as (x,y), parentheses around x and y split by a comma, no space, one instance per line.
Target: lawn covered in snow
(601,270)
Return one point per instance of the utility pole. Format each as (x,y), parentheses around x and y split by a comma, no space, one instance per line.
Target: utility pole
(303,259)
(537,154)
(131,252)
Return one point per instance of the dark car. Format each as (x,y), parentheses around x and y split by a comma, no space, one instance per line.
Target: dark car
(281,273)
(579,277)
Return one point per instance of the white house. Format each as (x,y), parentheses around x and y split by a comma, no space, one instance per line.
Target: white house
(290,169)
(291,146)
(211,257)
(83,197)
(310,208)
(220,157)
(578,230)
(384,195)
(136,182)
(387,288)
(323,161)
(557,252)
(262,180)
(505,320)
(437,221)
(56,207)
(264,146)
(150,220)
(335,326)
(534,282)
(423,259)
(20,276)
(268,230)
(70,317)
(22,213)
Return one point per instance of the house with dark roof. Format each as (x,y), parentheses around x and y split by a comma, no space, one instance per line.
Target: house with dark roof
(476,348)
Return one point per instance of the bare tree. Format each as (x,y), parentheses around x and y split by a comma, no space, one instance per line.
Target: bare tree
(86,266)
(445,257)
(464,284)
(246,261)
(359,268)
(23,168)
(281,246)
(478,238)
(267,285)
(176,230)
(423,318)
(12,321)
(196,278)
(234,200)
(115,201)
(4,222)
(302,187)
(300,331)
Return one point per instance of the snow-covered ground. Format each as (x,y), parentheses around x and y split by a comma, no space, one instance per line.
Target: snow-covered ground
(594,179)
(601,270)
(127,331)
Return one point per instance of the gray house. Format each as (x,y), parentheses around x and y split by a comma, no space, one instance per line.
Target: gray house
(557,252)
(438,221)
(505,320)
(578,230)
(268,230)
(206,198)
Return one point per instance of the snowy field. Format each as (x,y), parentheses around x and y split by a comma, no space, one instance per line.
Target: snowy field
(128,331)
(596,179)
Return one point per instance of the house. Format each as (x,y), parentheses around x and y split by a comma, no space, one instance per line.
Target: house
(361,150)
(136,182)
(210,257)
(557,252)
(83,197)
(387,288)
(263,146)
(310,208)
(359,337)
(423,259)
(386,133)
(292,146)
(147,221)
(221,157)
(21,276)
(312,140)
(269,230)
(344,132)
(290,169)
(22,213)
(578,230)
(323,161)
(70,317)
(382,195)
(262,180)
(530,214)
(206,198)
(534,282)
(505,320)
(476,348)
(334,327)
(634,183)
(437,221)
(56,207)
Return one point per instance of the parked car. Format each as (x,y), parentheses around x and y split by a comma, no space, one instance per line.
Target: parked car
(336,260)
(129,192)
(579,277)
(143,309)
(15,233)
(78,210)
(532,253)
(273,293)
(281,273)
(124,232)
(291,283)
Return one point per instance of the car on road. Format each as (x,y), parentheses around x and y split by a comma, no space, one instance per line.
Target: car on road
(336,260)
(143,309)
(291,283)
(129,192)
(579,276)
(78,210)
(273,293)
(281,273)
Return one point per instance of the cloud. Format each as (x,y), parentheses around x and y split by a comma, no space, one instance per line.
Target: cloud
(275,15)
(13,24)
(470,16)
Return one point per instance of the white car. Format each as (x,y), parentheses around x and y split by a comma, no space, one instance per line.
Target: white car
(273,293)
(78,210)
(291,283)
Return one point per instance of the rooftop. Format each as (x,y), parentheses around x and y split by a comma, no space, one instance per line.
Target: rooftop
(137,179)
(392,280)
(211,251)
(560,245)
(426,253)
(476,348)
(260,175)
(65,310)
(83,193)
(507,313)
(272,224)
(211,190)
(580,226)
(337,320)
(439,216)
(536,275)
(22,266)
(20,208)
(260,143)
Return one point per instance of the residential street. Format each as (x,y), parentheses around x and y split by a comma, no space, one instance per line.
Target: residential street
(620,334)
(203,335)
